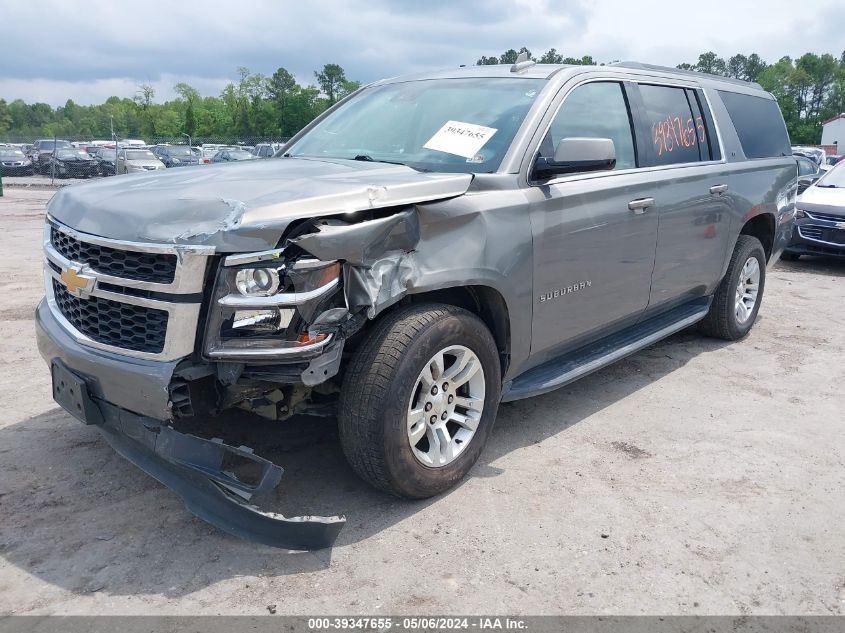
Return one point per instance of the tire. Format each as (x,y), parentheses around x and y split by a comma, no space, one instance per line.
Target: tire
(724,320)
(385,379)
(789,256)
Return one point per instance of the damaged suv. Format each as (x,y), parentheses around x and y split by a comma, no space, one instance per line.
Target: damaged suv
(427,248)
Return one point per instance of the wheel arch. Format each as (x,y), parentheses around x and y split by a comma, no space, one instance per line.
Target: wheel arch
(761,226)
(486,303)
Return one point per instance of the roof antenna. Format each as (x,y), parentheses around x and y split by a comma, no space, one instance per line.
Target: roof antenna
(522,62)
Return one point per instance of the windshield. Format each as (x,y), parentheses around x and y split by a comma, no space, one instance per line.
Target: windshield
(447,125)
(239,154)
(73,153)
(11,153)
(834,179)
(106,154)
(180,151)
(140,154)
(49,144)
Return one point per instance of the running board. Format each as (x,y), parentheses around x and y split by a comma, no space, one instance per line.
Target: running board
(565,369)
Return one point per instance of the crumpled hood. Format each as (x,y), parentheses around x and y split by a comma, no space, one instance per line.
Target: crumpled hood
(823,200)
(241,206)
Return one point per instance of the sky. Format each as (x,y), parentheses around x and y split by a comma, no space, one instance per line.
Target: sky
(52,51)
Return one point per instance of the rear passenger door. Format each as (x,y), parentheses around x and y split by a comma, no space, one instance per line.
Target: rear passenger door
(691,187)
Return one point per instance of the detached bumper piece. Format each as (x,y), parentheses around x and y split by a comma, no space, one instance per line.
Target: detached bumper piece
(199,471)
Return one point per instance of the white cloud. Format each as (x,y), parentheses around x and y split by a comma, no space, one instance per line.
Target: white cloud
(90,51)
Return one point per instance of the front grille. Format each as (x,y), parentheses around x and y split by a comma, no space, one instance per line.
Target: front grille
(825,216)
(822,234)
(154,267)
(132,327)
(811,232)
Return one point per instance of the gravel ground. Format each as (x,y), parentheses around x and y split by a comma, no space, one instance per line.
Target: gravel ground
(40,182)
(695,477)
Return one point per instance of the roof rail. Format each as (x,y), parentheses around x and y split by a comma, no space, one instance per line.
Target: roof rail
(522,62)
(689,73)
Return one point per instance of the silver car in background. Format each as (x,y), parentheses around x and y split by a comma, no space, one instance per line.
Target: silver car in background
(133,161)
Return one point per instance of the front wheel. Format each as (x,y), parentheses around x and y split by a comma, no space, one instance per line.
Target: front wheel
(419,399)
(737,300)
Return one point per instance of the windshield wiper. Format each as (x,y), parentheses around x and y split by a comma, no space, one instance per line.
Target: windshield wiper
(369,159)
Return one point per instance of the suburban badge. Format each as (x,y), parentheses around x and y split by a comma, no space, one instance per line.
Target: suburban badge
(568,290)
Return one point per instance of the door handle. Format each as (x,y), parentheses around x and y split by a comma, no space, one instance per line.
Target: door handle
(717,189)
(640,205)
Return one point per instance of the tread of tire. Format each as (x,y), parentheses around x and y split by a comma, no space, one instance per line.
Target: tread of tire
(369,376)
(716,324)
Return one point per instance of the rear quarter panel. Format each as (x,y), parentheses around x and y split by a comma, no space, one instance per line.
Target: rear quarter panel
(755,186)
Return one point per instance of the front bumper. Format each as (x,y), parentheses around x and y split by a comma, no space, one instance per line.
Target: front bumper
(17,170)
(127,399)
(77,169)
(813,236)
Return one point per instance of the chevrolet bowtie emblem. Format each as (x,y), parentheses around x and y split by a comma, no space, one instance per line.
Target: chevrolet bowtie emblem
(77,283)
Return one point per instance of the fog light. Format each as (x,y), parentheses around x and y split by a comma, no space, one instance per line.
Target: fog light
(257,282)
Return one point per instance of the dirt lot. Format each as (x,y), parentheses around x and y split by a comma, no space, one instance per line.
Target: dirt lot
(694,477)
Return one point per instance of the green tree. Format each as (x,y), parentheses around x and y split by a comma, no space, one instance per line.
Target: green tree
(551,56)
(487,61)
(190,119)
(331,79)
(5,117)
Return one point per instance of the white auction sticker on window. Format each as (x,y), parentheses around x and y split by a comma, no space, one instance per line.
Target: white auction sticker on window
(461,139)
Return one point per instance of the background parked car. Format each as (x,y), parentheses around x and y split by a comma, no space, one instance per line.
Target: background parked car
(132,161)
(207,153)
(41,151)
(177,155)
(105,157)
(13,162)
(820,218)
(808,172)
(815,153)
(230,155)
(266,150)
(72,163)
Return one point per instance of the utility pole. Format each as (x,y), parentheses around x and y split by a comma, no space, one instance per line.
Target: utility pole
(114,140)
(190,153)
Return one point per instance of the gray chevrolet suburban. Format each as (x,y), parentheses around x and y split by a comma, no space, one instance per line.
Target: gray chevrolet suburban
(429,247)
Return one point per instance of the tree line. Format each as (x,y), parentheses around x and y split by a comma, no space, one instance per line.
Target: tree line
(809,90)
(253,106)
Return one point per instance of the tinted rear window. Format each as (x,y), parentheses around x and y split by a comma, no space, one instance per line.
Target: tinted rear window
(758,123)
(676,132)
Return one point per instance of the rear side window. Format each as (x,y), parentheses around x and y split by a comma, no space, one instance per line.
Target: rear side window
(677,128)
(806,167)
(758,123)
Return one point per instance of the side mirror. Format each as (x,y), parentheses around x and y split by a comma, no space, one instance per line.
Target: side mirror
(575,155)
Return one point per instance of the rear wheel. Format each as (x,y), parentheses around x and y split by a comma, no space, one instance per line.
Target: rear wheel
(737,300)
(419,400)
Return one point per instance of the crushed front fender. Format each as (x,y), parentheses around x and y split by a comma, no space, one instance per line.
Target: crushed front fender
(196,470)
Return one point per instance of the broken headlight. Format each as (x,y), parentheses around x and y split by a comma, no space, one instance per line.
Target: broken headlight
(262,307)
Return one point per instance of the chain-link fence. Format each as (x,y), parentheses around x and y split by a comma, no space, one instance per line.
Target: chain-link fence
(86,157)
